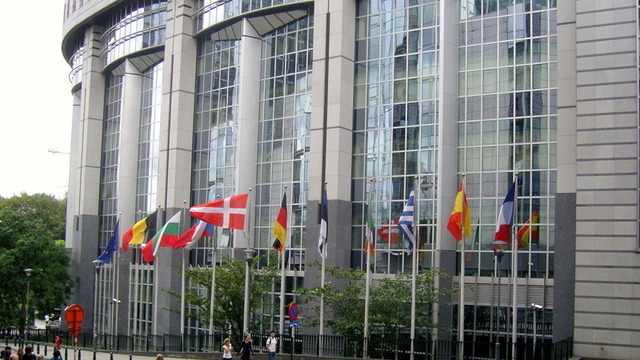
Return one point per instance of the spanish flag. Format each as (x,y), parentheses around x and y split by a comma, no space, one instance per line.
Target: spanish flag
(135,235)
(280,227)
(529,231)
(456,222)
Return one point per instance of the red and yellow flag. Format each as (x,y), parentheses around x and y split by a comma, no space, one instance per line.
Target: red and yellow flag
(460,218)
(280,227)
(529,231)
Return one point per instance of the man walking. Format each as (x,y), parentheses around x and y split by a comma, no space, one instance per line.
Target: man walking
(271,345)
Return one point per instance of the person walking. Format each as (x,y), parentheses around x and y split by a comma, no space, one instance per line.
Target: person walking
(227,348)
(271,345)
(56,355)
(246,350)
(28,353)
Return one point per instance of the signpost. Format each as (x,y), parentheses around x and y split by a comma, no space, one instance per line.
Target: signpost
(293,323)
(74,316)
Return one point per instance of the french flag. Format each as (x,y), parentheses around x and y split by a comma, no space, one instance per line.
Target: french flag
(189,239)
(505,221)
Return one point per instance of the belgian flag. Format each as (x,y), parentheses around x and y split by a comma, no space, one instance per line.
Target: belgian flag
(136,234)
(280,227)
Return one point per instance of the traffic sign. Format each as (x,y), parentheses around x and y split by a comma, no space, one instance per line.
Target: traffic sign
(293,311)
(293,324)
(74,315)
(74,330)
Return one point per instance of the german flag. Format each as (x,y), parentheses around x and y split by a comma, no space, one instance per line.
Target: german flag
(135,235)
(280,227)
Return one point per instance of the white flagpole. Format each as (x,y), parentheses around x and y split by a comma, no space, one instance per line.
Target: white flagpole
(414,265)
(461,281)
(214,259)
(282,275)
(365,347)
(514,269)
(116,279)
(159,220)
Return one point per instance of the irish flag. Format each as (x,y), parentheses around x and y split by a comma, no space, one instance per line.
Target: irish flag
(167,236)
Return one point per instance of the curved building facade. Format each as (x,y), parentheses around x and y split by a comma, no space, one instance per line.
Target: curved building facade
(182,102)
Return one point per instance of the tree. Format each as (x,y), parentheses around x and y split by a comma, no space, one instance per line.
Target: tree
(229,294)
(32,236)
(389,304)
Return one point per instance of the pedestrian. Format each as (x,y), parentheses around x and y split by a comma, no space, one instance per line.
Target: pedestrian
(227,348)
(159,357)
(20,353)
(6,353)
(28,354)
(56,355)
(271,345)
(246,350)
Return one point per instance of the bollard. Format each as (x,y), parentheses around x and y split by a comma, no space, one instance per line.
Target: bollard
(111,355)
(94,354)
(66,352)
(130,357)
(38,347)
(45,350)
(79,354)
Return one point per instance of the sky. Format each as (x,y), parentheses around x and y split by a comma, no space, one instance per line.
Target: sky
(35,100)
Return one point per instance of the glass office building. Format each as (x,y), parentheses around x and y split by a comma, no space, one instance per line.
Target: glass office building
(182,102)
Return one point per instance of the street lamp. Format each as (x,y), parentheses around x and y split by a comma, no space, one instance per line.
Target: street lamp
(97,263)
(248,254)
(27,275)
(535,307)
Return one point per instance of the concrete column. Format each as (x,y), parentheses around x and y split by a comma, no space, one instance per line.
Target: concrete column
(82,215)
(176,143)
(331,131)
(445,256)
(248,105)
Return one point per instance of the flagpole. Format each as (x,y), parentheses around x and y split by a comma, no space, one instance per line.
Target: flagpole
(365,347)
(116,280)
(214,259)
(461,278)
(182,282)
(155,280)
(282,276)
(323,257)
(414,266)
(514,269)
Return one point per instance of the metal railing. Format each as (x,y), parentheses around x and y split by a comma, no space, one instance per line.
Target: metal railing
(379,347)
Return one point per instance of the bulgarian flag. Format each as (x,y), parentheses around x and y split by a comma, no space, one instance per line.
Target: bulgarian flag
(135,235)
(280,227)
(167,236)
(369,242)
(529,231)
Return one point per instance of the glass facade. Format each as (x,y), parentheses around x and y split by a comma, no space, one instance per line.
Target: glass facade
(137,25)
(395,126)
(211,12)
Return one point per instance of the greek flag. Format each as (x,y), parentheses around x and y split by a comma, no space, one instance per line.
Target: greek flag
(405,224)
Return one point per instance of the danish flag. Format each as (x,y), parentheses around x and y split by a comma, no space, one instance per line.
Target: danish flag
(227,213)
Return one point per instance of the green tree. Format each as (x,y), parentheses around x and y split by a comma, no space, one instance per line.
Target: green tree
(229,294)
(32,236)
(389,304)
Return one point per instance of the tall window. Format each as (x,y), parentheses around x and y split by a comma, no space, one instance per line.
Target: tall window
(395,125)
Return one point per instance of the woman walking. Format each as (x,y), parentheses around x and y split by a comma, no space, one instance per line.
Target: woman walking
(246,350)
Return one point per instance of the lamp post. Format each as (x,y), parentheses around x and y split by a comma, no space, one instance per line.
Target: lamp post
(535,307)
(27,275)
(248,254)
(97,264)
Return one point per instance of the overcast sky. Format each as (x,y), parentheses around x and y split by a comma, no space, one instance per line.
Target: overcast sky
(35,100)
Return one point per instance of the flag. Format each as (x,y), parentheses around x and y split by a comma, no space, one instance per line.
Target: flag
(112,246)
(476,243)
(280,227)
(135,235)
(189,239)
(529,232)
(324,217)
(227,213)
(370,240)
(389,234)
(166,236)
(456,222)
(505,221)
(405,224)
